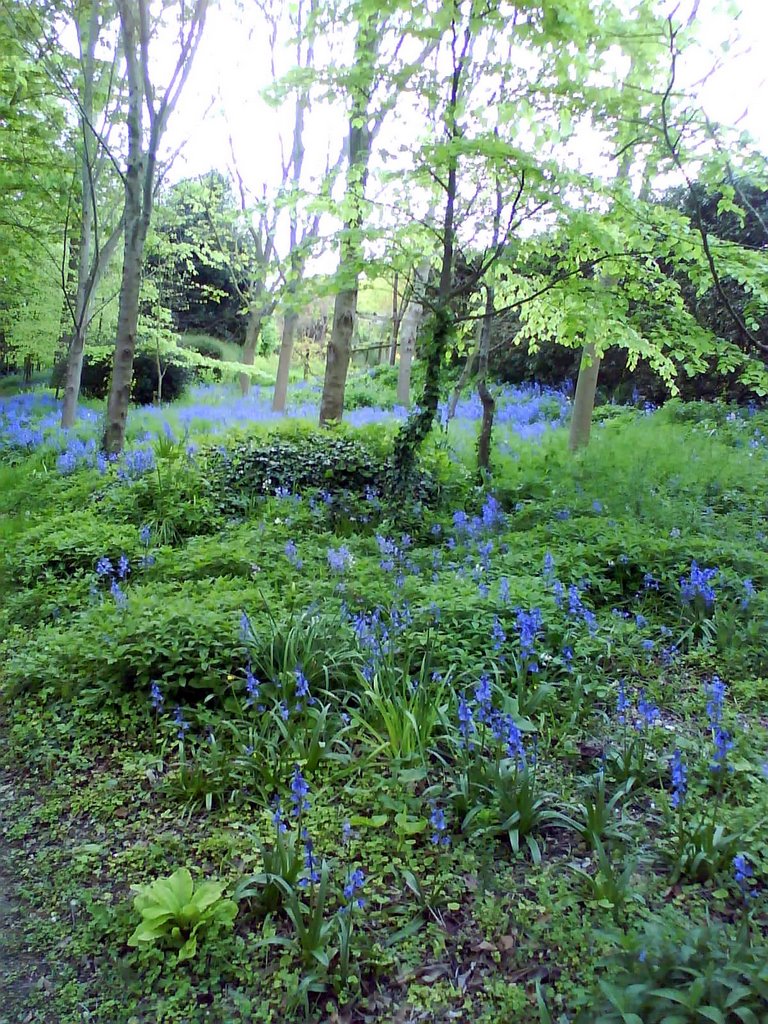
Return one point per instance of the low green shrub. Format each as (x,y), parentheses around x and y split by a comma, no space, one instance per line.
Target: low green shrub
(702,974)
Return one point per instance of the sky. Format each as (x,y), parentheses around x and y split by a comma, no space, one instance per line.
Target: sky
(233,64)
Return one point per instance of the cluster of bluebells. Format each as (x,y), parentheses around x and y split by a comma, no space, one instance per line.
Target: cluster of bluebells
(156,698)
(292,554)
(82,454)
(395,558)
(528,627)
(339,559)
(135,463)
(352,889)
(477,717)
(698,585)
(721,738)
(182,725)
(376,632)
(679,779)
(743,876)
(570,597)
(643,715)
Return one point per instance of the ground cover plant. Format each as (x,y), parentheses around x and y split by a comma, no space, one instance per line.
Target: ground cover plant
(276,749)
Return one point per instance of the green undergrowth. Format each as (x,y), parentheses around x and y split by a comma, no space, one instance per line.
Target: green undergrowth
(494,753)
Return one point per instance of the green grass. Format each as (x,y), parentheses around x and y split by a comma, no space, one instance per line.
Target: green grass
(570,886)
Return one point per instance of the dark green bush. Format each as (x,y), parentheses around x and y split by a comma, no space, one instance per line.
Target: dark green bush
(97,374)
(703,974)
(319,460)
(182,636)
(65,546)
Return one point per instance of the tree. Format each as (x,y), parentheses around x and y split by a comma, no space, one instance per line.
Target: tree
(35,191)
(373,85)
(137,30)
(94,251)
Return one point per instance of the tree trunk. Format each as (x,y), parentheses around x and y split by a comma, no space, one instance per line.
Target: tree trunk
(589,367)
(584,399)
(252,335)
(351,249)
(290,323)
(396,321)
(127,325)
(140,182)
(339,351)
(87,225)
(466,373)
(409,331)
(486,398)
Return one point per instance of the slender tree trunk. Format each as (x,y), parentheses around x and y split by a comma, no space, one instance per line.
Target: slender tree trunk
(339,352)
(127,321)
(411,323)
(584,399)
(87,224)
(140,182)
(350,258)
(466,373)
(486,398)
(290,322)
(396,321)
(248,358)
(589,367)
(76,349)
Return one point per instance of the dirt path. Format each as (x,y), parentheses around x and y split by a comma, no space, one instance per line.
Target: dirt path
(19,969)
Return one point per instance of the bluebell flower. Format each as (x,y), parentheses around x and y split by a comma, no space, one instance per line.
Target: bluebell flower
(123,567)
(145,534)
(302,683)
(504,590)
(749,592)
(649,713)
(716,693)
(597,506)
(119,595)
(623,703)
(310,862)
(528,626)
(483,697)
(339,559)
(498,636)
(723,746)
(650,582)
(640,621)
(246,632)
(466,722)
(277,815)
(104,567)
(156,696)
(679,778)
(742,873)
(292,554)
(354,883)
(698,583)
(299,792)
(284,711)
(438,823)
(181,723)
(549,566)
(252,688)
